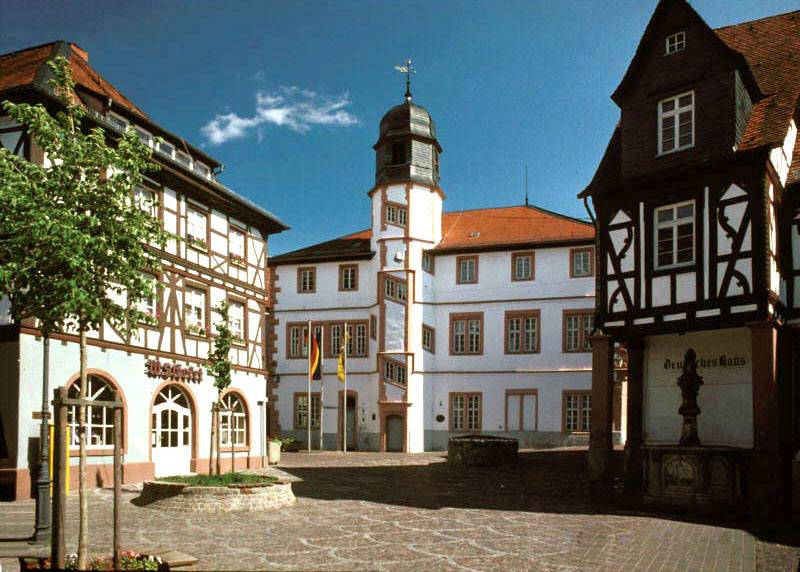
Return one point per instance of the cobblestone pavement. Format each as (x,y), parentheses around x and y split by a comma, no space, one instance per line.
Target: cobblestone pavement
(368,511)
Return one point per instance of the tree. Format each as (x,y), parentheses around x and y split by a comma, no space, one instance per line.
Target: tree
(76,250)
(218,365)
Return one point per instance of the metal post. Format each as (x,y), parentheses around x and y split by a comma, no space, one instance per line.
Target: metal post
(212,441)
(344,401)
(321,345)
(308,403)
(117,484)
(43,532)
(60,459)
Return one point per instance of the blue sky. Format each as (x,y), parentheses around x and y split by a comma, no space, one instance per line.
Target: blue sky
(298,89)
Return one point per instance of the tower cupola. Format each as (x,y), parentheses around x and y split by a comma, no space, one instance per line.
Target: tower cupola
(407,149)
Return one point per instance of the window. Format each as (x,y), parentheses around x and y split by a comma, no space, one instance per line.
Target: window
(184,159)
(202,169)
(117,122)
(427,262)
(522,332)
(307,280)
(360,347)
(145,199)
(395,289)
(398,154)
(232,419)
(522,266)
(581,262)
(521,409)
(335,334)
(578,326)
(194,311)
(301,410)
(465,412)
(674,227)
(236,245)
(396,214)
(149,306)
(144,136)
(577,411)
(394,372)
(197,228)
(428,338)
(296,340)
(99,420)
(675,43)
(236,321)
(348,277)
(466,270)
(466,334)
(676,123)
(165,148)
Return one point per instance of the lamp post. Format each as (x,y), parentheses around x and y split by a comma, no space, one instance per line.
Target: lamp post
(42,532)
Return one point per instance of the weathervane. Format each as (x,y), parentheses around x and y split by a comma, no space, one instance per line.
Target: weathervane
(407,69)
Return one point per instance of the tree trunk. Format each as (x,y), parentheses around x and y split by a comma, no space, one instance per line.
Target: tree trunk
(218,459)
(232,441)
(213,439)
(83,527)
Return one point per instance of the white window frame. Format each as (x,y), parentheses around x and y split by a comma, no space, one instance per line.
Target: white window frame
(581,270)
(101,428)
(147,204)
(149,306)
(194,314)
(191,225)
(236,247)
(236,322)
(233,407)
(115,118)
(144,136)
(675,42)
(160,148)
(674,224)
(183,159)
(675,113)
(201,169)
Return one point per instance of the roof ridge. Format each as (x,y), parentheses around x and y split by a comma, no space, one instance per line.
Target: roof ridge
(783,15)
(15,52)
(534,207)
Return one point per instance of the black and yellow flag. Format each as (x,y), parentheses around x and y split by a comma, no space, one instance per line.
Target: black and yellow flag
(315,359)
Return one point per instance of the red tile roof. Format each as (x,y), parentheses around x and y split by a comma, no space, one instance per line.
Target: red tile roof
(27,67)
(478,230)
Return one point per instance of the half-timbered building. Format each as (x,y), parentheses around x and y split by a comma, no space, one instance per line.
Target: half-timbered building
(698,247)
(219,253)
(461,322)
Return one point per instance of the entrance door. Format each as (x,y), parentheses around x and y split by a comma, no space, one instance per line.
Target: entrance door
(350,428)
(171,432)
(521,408)
(394,433)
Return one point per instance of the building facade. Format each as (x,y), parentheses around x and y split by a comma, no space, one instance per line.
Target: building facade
(698,245)
(220,254)
(460,322)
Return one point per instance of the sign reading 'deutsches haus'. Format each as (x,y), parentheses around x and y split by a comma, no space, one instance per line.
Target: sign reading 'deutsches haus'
(724,359)
(155,368)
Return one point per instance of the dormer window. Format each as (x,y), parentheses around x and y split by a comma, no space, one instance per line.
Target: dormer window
(202,169)
(144,136)
(119,123)
(167,149)
(676,123)
(675,43)
(184,159)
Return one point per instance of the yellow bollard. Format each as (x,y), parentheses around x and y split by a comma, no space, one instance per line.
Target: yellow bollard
(66,453)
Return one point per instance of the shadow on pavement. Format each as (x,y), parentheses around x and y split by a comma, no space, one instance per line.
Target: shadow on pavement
(542,481)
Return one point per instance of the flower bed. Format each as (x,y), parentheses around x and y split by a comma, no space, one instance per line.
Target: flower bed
(130,560)
(212,494)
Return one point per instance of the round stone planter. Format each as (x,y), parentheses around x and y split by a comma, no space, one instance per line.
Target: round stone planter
(192,498)
(481,451)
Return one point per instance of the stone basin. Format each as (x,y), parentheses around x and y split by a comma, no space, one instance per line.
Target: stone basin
(195,498)
(481,451)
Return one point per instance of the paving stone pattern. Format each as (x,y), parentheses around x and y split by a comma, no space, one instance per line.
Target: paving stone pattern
(368,511)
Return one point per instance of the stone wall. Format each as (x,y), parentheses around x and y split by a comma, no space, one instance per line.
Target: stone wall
(189,498)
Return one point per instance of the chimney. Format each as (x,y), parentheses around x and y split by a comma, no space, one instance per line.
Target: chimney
(84,55)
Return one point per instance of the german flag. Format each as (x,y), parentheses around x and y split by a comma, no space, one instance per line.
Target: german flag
(315,359)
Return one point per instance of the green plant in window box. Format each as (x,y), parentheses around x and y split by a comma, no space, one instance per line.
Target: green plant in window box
(196,242)
(237,340)
(237,260)
(195,330)
(150,319)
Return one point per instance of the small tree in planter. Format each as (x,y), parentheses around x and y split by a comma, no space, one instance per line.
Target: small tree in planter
(218,366)
(94,244)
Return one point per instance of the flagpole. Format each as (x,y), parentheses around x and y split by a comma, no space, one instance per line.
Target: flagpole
(308,403)
(344,401)
(321,389)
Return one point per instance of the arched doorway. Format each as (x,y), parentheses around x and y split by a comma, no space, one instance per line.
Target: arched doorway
(171,432)
(394,433)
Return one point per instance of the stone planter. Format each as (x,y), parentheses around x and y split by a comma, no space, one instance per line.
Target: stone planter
(274,452)
(191,498)
(481,451)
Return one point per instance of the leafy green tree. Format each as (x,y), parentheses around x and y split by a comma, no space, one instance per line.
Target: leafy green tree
(75,248)
(218,365)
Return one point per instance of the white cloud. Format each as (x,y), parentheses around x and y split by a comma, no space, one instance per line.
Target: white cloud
(292,107)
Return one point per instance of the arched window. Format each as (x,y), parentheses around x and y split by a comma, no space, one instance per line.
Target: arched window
(398,154)
(99,420)
(233,409)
